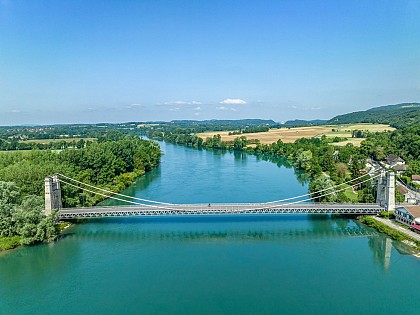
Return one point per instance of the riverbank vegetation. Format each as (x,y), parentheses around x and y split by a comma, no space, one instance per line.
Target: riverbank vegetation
(393,233)
(326,163)
(21,219)
(111,164)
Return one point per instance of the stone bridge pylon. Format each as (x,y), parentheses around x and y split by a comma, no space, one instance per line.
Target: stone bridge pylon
(52,194)
(385,196)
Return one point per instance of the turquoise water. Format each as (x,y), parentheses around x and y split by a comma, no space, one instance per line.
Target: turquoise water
(288,264)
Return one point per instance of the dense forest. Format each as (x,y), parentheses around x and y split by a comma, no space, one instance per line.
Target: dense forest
(112,164)
(304,123)
(398,116)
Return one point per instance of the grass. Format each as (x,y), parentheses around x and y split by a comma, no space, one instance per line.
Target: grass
(289,135)
(354,141)
(382,228)
(9,242)
(345,131)
(349,193)
(62,225)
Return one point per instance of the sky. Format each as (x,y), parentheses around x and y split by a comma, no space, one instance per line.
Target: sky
(117,61)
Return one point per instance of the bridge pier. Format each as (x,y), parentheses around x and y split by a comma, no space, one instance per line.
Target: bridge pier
(385,196)
(390,191)
(52,194)
(380,193)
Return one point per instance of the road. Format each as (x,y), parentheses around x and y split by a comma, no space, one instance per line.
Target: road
(395,226)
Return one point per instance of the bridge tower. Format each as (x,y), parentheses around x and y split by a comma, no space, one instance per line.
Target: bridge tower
(52,194)
(380,194)
(386,190)
(390,191)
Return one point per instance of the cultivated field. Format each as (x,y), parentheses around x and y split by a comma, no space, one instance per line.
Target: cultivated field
(289,135)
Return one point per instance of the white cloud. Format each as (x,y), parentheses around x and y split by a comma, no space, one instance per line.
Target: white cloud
(174,109)
(15,111)
(197,108)
(182,103)
(226,108)
(196,114)
(134,106)
(233,101)
(315,108)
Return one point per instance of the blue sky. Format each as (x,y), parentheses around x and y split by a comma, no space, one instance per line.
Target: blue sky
(115,61)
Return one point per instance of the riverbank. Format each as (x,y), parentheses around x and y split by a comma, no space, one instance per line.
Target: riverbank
(12,242)
(393,230)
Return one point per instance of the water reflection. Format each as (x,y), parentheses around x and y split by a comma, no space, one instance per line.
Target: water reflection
(381,247)
(239,155)
(38,261)
(287,227)
(226,235)
(302,177)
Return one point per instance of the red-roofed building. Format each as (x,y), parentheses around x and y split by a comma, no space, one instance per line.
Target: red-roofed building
(407,214)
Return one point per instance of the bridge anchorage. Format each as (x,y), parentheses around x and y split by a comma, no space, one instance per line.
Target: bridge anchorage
(144,207)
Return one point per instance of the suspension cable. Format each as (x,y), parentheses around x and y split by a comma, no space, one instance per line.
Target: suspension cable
(164,203)
(115,198)
(114,193)
(312,198)
(325,189)
(239,210)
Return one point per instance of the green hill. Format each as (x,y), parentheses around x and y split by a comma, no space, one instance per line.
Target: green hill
(304,123)
(398,116)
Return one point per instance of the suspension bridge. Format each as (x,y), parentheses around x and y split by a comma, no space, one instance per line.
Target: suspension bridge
(303,204)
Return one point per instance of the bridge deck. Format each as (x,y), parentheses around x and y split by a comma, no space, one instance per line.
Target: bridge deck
(218,209)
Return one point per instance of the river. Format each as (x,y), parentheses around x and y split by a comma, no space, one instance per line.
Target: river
(285,264)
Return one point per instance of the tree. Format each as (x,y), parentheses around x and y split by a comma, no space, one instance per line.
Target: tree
(303,160)
(321,186)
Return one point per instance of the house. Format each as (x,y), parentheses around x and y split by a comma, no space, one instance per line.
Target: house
(403,191)
(415,179)
(407,214)
(393,160)
(400,168)
(409,196)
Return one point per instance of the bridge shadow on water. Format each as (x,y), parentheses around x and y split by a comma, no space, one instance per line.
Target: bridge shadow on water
(287,230)
(235,227)
(281,229)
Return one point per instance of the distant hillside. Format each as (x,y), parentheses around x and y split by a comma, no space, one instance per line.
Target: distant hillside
(398,116)
(236,122)
(303,123)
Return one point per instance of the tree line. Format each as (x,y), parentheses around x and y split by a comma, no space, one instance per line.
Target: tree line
(112,165)
(327,165)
